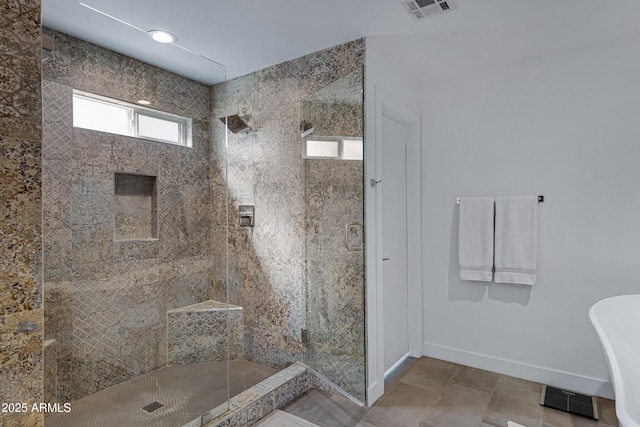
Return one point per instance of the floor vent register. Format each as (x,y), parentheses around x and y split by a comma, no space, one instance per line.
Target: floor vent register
(569,401)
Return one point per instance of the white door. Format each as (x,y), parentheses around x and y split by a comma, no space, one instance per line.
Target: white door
(394,241)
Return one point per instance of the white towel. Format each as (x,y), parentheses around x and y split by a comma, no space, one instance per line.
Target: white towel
(475,238)
(516,239)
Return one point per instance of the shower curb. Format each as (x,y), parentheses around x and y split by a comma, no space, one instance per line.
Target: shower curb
(260,400)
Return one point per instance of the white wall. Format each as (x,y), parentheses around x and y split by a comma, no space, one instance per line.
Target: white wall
(386,69)
(564,126)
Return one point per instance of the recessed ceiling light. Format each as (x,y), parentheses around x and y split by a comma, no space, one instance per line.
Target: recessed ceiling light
(143,102)
(163,36)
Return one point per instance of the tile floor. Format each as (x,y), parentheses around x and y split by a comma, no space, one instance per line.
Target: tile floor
(186,391)
(428,392)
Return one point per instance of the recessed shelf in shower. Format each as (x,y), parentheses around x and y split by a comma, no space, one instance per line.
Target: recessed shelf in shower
(136,207)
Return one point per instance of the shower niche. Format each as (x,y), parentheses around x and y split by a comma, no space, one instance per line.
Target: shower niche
(136,207)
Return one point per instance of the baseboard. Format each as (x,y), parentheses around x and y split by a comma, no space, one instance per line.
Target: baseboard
(565,380)
(374,392)
(395,365)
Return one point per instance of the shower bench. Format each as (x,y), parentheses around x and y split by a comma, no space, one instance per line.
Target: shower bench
(198,333)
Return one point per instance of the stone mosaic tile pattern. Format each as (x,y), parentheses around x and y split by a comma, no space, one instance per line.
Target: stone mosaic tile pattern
(265,168)
(106,300)
(58,318)
(57,121)
(84,66)
(21,379)
(20,195)
(288,82)
(21,324)
(337,109)
(253,404)
(198,333)
(117,329)
(50,379)
(335,275)
(335,287)
(20,88)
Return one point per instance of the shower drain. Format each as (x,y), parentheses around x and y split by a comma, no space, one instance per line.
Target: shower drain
(152,407)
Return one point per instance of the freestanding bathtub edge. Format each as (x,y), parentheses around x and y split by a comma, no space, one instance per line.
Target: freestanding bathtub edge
(617,323)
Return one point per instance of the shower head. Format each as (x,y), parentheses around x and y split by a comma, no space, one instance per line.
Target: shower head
(236,123)
(306,128)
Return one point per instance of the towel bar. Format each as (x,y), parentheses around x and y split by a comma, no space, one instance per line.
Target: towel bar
(540,200)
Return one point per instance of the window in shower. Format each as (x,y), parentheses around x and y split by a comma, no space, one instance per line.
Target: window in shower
(333,148)
(352,149)
(104,114)
(322,149)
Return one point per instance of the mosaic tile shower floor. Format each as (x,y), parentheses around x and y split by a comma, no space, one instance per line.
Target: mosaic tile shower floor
(185,391)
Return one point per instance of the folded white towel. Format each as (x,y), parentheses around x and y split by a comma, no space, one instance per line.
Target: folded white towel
(516,239)
(475,238)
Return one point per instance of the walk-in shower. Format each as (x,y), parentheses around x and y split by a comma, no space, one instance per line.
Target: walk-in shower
(160,302)
(134,333)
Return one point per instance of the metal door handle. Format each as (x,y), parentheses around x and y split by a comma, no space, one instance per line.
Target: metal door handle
(346,236)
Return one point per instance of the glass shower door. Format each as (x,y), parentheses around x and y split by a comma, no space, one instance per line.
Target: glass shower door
(333,173)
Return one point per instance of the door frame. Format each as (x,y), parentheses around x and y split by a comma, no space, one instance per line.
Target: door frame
(387,105)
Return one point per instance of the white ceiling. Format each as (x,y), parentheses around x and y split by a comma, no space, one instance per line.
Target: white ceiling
(248,35)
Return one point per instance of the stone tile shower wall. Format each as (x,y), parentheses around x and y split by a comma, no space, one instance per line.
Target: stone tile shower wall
(21,325)
(198,333)
(106,299)
(335,275)
(266,169)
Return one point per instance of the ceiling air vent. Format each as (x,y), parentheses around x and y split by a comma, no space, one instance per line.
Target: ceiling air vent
(423,9)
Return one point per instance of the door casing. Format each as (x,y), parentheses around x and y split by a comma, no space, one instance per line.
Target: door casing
(387,105)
